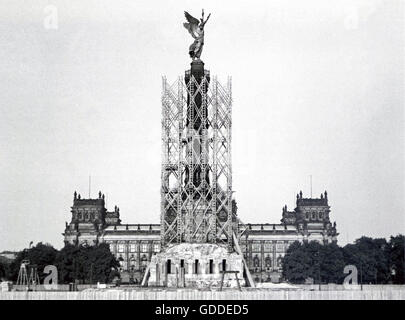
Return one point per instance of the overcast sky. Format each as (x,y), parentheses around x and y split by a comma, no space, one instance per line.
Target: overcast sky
(318,89)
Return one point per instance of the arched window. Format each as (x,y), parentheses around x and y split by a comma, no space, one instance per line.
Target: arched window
(267,262)
(256,261)
(132,263)
(144,261)
(121,262)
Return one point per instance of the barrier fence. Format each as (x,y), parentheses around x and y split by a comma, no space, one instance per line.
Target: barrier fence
(368,293)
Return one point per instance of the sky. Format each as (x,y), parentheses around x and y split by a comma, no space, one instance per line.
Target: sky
(318,89)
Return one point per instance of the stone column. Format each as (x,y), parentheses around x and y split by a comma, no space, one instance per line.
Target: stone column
(182,278)
(202,266)
(261,259)
(250,259)
(215,267)
(165,273)
(126,244)
(138,254)
(150,247)
(190,267)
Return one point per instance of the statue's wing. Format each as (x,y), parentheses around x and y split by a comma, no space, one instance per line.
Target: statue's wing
(190,28)
(191,19)
(192,23)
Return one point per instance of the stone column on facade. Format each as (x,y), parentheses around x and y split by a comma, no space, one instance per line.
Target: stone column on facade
(203,266)
(165,275)
(250,263)
(138,254)
(126,244)
(261,259)
(181,277)
(150,248)
(176,270)
(215,266)
(190,267)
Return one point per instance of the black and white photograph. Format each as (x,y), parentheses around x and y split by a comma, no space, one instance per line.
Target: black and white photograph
(175,151)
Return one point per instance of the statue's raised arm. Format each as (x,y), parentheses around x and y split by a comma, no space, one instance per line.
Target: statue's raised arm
(202,19)
(196,29)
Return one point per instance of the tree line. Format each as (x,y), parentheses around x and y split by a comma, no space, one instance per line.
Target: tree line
(377,261)
(85,264)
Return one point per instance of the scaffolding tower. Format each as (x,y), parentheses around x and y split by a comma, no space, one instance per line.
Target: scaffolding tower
(196,189)
(22,278)
(28,274)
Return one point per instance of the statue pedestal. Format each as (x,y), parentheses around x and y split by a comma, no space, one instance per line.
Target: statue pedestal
(195,265)
(197,70)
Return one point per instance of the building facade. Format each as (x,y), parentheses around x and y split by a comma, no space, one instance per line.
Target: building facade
(263,244)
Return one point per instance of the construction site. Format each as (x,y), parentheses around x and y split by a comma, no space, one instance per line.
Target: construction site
(199,231)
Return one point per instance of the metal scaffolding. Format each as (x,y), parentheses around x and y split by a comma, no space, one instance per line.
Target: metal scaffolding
(196,192)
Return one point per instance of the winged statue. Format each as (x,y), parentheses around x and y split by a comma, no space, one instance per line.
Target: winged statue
(196,28)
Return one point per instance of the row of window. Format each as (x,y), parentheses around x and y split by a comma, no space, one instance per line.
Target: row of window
(196,266)
(267,263)
(133,262)
(85,216)
(256,247)
(267,247)
(314,215)
(133,247)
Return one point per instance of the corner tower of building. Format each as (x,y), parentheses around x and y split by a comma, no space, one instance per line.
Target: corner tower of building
(89,218)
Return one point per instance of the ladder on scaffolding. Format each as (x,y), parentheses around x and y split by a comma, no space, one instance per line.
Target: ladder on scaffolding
(28,274)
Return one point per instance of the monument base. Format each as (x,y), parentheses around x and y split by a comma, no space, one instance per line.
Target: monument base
(196,265)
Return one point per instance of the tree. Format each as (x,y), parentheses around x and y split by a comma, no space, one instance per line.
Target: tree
(89,264)
(396,259)
(68,261)
(332,263)
(370,257)
(3,270)
(323,263)
(41,255)
(103,265)
(295,263)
